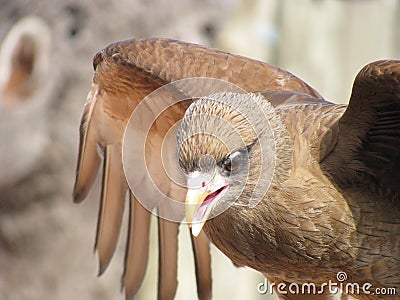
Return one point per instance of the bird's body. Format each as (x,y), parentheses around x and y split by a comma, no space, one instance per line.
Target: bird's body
(309,224)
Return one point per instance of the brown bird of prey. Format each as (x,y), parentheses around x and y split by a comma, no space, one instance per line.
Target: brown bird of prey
(301,189)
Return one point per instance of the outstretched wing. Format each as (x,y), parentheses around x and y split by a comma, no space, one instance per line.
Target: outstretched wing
(126,72)
(368,143)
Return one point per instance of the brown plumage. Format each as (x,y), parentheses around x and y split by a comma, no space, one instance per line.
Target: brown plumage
(335,208)
(341,225)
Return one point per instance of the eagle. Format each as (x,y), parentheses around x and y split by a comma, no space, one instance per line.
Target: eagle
(275,176)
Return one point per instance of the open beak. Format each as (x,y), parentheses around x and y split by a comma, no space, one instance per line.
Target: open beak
(200,202)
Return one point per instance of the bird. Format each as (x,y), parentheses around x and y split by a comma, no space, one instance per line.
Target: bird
(298,188)
(326,202)
(125,72)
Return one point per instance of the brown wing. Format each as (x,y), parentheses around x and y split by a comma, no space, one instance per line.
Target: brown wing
(286,98)
(368,144)
(125,72)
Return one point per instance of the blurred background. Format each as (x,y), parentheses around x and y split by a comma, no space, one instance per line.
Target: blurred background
(46,241)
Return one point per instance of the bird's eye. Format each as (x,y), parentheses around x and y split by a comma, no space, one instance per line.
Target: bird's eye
(236,159)
(231,162)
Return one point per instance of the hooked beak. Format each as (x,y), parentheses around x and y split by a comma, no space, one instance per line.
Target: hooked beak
(200,202)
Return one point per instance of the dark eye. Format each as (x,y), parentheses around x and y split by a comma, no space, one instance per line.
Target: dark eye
(236,159)
(231,163)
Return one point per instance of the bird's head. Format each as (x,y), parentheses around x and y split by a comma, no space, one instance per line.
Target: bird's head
(231,147)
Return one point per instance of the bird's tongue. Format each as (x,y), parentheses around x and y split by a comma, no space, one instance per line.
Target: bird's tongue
(204,210)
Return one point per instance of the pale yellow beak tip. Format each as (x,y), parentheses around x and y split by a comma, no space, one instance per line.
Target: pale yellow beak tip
(194,198)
